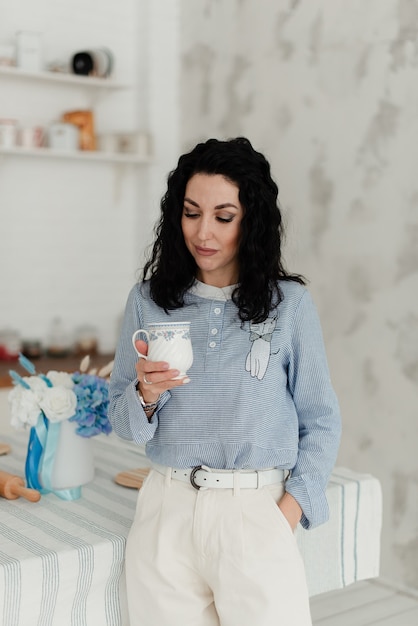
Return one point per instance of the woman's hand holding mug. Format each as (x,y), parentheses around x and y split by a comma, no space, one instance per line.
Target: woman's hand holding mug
(164,361)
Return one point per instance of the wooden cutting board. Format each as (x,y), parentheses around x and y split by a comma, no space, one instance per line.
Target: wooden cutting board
(132,478)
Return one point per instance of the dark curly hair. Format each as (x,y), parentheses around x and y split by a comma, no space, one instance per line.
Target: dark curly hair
(172,269)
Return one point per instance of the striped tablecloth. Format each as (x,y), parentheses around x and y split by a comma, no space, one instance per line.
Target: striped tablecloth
(347,548)
(61,563)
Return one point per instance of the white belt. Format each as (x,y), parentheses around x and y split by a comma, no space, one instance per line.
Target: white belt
(202,477)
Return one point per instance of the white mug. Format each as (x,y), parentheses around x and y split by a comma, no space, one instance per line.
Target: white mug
(168,342)
(8,133)
(31,136)
(63,136)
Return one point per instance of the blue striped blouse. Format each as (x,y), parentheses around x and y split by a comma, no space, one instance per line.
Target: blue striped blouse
(260,395)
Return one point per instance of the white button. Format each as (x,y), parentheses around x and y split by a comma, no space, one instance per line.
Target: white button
(217,310)
(214,331)
(212,344)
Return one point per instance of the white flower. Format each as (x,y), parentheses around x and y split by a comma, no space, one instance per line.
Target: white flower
(59,403)
(24,407)
(60,379)
(38,386)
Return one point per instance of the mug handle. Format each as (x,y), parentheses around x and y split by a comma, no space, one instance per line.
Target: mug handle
(137,332)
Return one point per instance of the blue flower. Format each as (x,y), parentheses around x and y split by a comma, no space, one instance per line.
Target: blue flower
(92,403)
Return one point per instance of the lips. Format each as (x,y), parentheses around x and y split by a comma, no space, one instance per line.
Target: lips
(205,251)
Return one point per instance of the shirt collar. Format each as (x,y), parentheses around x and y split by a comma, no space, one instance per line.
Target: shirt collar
(212,293)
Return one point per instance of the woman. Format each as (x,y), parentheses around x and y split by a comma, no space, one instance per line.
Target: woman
(257,409)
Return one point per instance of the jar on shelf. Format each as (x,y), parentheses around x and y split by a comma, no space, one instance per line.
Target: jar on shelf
(10,344)
(86,340)
(58,342)
(8,133)
(32,348)
(63,136)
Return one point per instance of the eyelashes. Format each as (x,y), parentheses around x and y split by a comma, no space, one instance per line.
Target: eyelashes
(223,220)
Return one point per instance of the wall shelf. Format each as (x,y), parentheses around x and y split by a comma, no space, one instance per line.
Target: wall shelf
(80,155)
(62,79)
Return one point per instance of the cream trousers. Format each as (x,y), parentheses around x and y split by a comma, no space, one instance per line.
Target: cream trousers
(215,557)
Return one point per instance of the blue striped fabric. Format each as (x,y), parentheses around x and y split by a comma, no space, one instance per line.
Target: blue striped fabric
(61,563)
(260,394)
(13,585)
(347,548)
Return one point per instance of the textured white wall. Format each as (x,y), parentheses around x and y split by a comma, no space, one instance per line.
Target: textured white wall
(73,233)
(328,91)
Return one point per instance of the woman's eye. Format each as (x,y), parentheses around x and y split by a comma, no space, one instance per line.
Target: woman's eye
(219,218)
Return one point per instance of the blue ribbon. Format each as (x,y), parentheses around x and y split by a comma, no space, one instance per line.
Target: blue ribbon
(40,458)
(37,439)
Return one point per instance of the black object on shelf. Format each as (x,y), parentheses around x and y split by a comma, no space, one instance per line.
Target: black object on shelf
(82,63)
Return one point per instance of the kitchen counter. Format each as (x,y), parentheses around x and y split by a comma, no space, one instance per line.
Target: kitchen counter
(46,363)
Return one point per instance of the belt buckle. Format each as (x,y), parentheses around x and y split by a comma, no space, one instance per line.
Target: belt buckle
(192,476)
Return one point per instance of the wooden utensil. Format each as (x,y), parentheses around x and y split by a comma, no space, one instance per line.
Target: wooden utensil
(132,478)
(4,448)
(12,487)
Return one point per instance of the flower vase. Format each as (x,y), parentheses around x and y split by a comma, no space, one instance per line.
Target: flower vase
(74,460)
